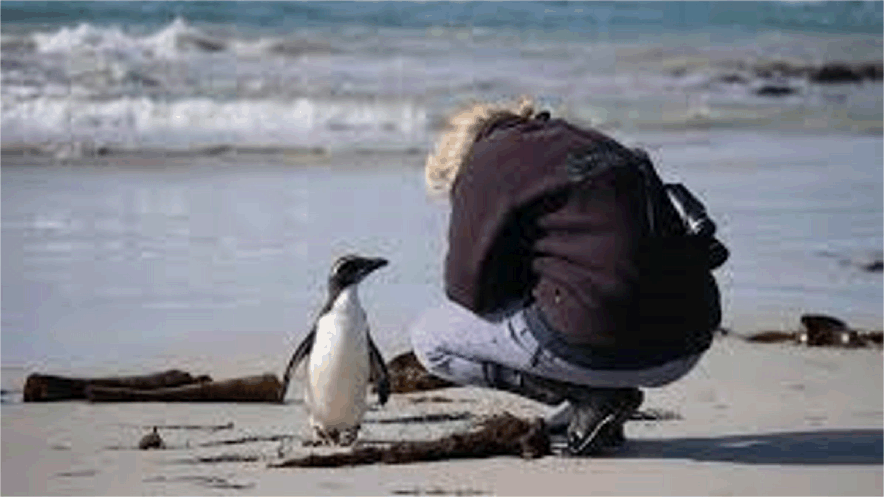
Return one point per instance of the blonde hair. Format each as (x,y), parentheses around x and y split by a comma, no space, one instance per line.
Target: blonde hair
(462,127)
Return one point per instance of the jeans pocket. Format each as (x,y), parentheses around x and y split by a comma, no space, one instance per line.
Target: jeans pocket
(519,334)
(531,351)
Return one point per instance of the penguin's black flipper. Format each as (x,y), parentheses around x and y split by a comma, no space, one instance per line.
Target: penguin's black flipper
(301,352)
(379,371)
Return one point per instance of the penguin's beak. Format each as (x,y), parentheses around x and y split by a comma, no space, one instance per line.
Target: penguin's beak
(371,265)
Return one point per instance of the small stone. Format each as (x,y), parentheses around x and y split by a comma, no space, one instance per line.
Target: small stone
(823,330)
(873,337)
(733,79)
(851,338)
(151,441)
(874,266)
(872,70)
(775,91)
(835,73)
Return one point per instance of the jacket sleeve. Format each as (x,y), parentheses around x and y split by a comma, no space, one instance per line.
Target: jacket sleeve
(480,243)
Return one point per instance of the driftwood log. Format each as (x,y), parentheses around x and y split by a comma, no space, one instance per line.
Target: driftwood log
(408,375)
(502,434)
(45,388)
(262,388)
(773,336)
(820,330)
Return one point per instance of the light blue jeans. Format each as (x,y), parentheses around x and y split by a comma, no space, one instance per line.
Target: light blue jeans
(453,343)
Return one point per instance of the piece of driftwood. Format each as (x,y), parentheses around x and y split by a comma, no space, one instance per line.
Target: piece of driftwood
(773,336)
(212,482)
(262,388)
(438,399)
(45,388)
(438,491)
(441,417)
(247,440)
(875,337)
(222,458)
(408,375)
(502,434)
(820,330)
(225,426)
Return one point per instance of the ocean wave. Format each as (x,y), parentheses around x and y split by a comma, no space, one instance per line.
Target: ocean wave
(178,38)
(625,18)
(17,43)
(176,84)
(143,122)
(727,112)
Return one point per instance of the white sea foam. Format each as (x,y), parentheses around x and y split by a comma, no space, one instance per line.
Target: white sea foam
(88,37)
(177,39)
(85,86)
(135,122)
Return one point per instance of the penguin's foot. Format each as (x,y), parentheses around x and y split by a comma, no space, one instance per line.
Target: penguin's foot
(321,437)
(314,442)
(333,436)
(349,436)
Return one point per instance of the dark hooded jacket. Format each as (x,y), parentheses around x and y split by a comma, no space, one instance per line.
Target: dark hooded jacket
(558,216)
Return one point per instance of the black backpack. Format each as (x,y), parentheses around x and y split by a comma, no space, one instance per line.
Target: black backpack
(673,211)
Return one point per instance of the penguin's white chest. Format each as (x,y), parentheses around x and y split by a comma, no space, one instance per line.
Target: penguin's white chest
(339,366)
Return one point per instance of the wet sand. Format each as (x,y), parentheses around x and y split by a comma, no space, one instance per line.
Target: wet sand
(157,258)
(216,266)
(751,419)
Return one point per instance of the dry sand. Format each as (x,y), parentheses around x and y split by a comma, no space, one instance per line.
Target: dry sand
(752,419)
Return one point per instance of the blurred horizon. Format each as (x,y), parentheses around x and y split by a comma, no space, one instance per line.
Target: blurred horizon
(83,76)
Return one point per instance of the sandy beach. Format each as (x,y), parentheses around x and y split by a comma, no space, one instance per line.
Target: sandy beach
(751,419)
(177,178)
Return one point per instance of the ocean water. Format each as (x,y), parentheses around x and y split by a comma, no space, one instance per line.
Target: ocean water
(83,76)
(191,169)
(218,264)
(205,259)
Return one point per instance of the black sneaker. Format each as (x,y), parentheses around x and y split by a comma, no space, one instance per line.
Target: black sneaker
(614,435)
(598,419)
(557,425)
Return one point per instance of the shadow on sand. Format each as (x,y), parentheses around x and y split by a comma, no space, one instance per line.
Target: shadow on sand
(813,447)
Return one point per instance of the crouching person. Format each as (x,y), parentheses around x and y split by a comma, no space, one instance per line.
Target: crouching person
(570,276)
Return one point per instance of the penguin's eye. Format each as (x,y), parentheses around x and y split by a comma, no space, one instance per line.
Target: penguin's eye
(347,271)
(343,266)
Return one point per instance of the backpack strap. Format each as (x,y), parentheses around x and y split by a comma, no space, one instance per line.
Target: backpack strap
(672,210)
(663,219)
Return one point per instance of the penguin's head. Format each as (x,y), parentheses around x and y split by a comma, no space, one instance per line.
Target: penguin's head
(350,270)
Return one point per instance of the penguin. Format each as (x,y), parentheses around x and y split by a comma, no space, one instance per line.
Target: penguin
(341,357)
